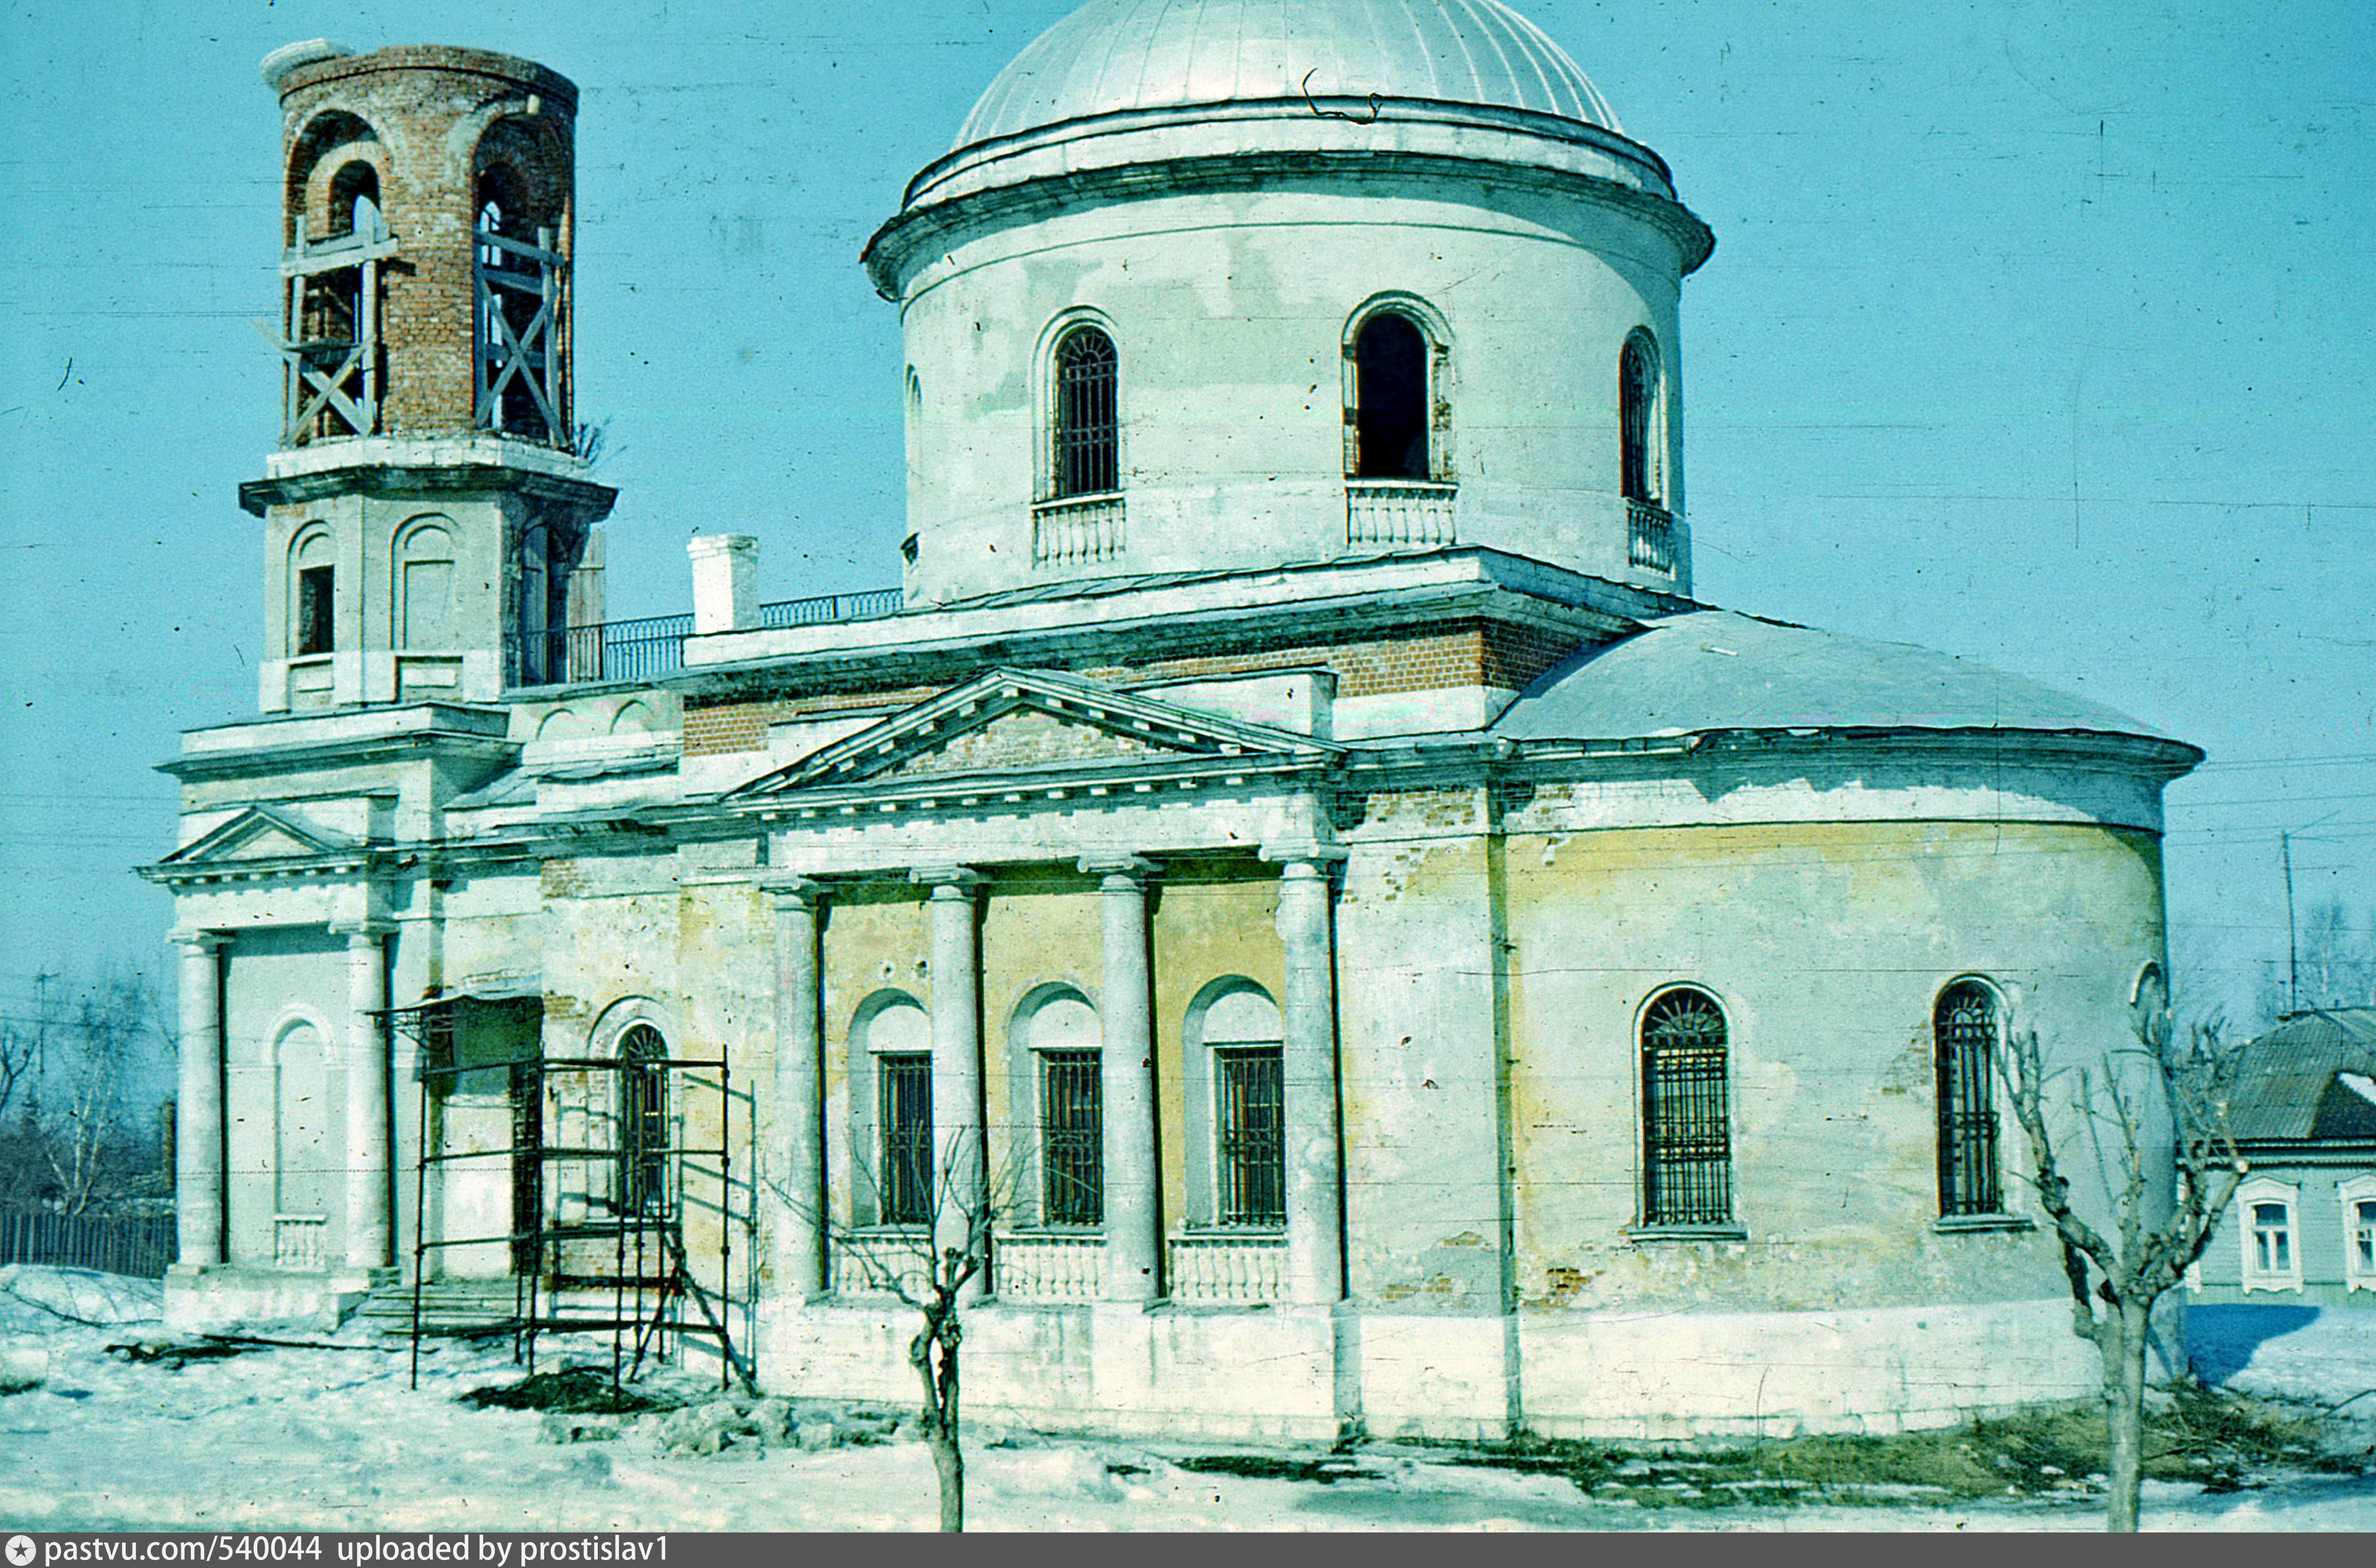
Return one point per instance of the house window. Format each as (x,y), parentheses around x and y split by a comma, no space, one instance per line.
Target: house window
(2358,1196)
(316,611)
(2272,1241)
(2273,1233)
(1390,398)
(643,1120)
(904,1115)
(1250,1101)
(1963,1030)
(1088,427)
(1686,1122)
(1072,1138)
(1637,420)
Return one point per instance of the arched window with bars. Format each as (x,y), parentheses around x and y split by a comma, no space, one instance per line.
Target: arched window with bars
(1963,1028)
(643,1144)
(1686,1111)
(1088,426)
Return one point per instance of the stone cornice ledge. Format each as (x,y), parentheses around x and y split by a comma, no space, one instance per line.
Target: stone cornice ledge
(1353,596)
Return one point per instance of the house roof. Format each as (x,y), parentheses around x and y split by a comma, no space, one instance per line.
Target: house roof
(1710,670)
(2294,1081)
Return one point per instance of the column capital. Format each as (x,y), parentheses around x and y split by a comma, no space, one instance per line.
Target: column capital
(358,933)
(947,881)
(1311,857)
(1110,869)
(193,941)
(791,891)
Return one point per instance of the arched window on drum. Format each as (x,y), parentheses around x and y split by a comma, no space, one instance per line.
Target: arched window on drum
(1088,426)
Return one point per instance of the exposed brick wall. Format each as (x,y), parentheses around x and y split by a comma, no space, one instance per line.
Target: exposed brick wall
(410,102)
(1470,653)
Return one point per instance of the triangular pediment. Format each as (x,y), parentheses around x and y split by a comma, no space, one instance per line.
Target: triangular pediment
(1034,722)
(262,833)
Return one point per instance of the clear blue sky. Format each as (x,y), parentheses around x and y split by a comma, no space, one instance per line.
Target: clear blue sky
(2036,336)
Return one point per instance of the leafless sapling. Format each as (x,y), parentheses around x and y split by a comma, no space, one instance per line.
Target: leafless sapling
(2153,1118)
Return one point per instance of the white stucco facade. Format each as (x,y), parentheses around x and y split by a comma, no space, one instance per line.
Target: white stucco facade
(1437,980)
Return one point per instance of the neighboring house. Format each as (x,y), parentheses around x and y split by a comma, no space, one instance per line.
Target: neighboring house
(2303,1225)
(1401,958)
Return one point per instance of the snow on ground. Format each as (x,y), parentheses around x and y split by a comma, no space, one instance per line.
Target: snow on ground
(333,1439)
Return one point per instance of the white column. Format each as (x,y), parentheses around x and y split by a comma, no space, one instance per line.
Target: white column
(367,1141)
(1133,1217)
(961,1169)
(799,1231)
(1309,1061)
(199,1114)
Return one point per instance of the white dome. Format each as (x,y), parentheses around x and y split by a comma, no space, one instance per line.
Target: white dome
(1115,55)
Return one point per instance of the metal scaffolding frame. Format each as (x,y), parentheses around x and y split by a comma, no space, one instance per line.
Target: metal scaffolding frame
(619,1268)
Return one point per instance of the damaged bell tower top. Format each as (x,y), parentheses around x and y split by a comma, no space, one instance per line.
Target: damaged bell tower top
(430,530)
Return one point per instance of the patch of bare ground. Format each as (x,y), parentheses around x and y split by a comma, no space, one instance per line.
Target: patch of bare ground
(2222,1441)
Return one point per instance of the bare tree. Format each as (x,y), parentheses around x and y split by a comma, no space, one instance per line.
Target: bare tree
(74,1071)
(19,1046)
(2165,1197)
(936,1267)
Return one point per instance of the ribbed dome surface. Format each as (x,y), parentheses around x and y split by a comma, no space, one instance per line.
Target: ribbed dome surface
(1112,56)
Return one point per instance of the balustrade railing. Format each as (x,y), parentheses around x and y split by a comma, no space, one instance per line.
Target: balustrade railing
(1650,532)
(1079,531)
(645,649)
(882,1263)
(297,1241)
(615,650)
(1049,1266)
(1400,513)
(867,606)
(1226,1270)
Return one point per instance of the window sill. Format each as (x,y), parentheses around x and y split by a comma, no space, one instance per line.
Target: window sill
(1964,1224)
(1687,1233)
(2274,1284)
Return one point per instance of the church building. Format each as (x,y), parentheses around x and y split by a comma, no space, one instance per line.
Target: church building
(1292,855)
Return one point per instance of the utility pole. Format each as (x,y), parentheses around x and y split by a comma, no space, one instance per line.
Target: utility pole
(2293,945)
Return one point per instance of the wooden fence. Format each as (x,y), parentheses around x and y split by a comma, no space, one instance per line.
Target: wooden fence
(134,1244)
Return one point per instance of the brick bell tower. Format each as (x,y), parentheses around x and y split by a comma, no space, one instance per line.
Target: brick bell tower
(430,534)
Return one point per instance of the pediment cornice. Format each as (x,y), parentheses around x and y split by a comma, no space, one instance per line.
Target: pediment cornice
(1024,730)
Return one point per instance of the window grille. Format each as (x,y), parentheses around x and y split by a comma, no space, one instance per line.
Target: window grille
(1963,1027)
(2363,1236)
(1089,429)
(1390,411)
(1686,1124)
(1637,392)
(1072,1138)
(643,1117)
(1250,1082)
(905,1084)
(316,628)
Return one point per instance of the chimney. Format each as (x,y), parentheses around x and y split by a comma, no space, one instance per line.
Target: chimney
(725,582)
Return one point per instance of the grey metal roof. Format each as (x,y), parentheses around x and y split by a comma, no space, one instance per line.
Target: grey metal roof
(1713,669)
(1112,56)
(2286,1084)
